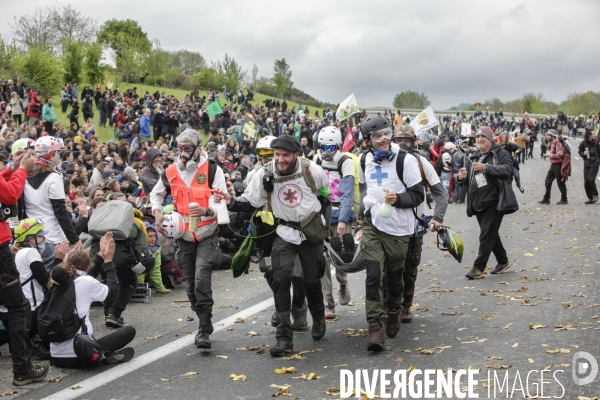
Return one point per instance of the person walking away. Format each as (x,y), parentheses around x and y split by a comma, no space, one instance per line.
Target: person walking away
(189,181)
(484,169)
(431,180)
(589,150)
(12,183)
(521,140)
(48,115)
(339,170)
(556,154)
(298,191)
(386,234)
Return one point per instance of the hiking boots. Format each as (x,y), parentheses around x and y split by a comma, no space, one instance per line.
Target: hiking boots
(393,322)
(274,319)
(35,373)
(498,269)
(282,347)
(544,201)
(475,273)
(39,349)
(329,312)
(595,199)
(318,329)
(205,329)
(202,340)
(344,295)
(113,322)
(119,356)
(590,201)
(336,244)
(406,315)
(299,324)
(562,202)
(348,242)
(376,337)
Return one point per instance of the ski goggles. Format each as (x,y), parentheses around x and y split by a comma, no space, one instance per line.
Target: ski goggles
(188,149)
(381,135)
(265,153)
(331,148)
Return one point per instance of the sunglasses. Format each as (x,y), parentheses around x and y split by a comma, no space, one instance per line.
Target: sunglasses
(331,148)
(266,153)
(37,222)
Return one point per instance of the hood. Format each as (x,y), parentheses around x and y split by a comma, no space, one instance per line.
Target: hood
(150,154)
(36,180)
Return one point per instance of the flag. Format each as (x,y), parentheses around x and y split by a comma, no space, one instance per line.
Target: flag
(249,129)
(465,129)
(520,110)
(347,108)
(397,119)
(426,119)
(487,108)
(348,141)
(214,109)
(110,84)
(99,88)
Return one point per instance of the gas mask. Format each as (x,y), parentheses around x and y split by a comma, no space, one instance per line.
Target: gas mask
(186,160)
(41,245)
(380,155)
(406,147)
(328,151)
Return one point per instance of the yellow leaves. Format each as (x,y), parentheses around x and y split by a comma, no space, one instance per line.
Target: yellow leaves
(534,326)
(411,368)
(508,325)
(593,305)
(587,398)
(308,377)
(235,377)
(191,373)
(75,387)
(528,255)
(153,337)
(570,304)
(399,359)
(530,360)
(565,327)
(340,365)
(494,366)
(515,345)
(332,391)
(252,333)
(239,321)
(282,390)
(427,351)
(11,392)
(351,332)
(55,380)
(293,357)
(249,348)
(558,351)
(490,357)
(488,317)
(164,379)
(223,357)
(284,370)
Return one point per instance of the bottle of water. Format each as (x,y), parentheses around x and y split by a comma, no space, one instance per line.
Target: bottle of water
(385,211)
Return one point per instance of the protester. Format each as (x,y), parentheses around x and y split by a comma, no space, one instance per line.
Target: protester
(556,154)
(589,150)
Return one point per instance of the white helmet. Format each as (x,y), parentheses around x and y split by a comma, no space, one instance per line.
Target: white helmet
(24,143)
(174,224)
(265,143)
(46,144)
(330,135)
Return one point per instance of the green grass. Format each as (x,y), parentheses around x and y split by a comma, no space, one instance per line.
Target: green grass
(104,134)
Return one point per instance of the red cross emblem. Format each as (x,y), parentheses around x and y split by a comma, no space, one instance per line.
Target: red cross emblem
(290,195)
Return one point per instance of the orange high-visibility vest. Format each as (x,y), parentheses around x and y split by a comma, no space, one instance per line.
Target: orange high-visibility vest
(182,196)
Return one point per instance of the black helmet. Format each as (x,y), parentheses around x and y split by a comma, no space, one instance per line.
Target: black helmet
(259,121)
(87,349)
(373,123)
(405,135)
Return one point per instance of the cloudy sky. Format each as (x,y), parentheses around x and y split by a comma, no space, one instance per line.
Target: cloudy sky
(453,51)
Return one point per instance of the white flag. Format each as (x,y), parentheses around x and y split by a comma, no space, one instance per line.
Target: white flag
(465,129)
(347,108)
(426,119)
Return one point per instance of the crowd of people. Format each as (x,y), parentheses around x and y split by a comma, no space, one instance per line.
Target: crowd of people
(299,181)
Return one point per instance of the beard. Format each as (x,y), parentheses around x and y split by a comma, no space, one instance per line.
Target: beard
(285,168)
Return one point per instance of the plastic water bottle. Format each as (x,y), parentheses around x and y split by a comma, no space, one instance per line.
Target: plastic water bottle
(385,211)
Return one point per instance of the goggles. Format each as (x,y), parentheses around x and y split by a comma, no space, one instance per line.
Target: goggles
(331,148)
(188,149)
(381,135)
(37,222)
(265,153)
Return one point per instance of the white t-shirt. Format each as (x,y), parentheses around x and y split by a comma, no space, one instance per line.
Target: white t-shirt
(432,178)
(37,205)
(23,260)
(87,290)
(291,200)
(332,174)
(384,176)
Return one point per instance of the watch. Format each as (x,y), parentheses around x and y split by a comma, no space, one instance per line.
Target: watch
(209,212)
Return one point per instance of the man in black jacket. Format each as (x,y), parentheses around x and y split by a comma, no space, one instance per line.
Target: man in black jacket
(484,169)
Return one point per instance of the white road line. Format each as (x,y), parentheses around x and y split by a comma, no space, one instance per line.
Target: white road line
(112,374)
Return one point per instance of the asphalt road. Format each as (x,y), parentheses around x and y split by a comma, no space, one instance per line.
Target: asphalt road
(484,324)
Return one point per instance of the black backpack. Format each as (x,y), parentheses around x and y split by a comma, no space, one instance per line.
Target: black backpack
(439,165)
(58,320)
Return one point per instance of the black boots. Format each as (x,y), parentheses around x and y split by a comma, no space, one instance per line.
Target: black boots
(205,329)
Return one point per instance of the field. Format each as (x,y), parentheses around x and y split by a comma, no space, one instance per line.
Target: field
(104,134)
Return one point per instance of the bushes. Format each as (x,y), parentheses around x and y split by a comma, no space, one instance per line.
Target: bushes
(40,70)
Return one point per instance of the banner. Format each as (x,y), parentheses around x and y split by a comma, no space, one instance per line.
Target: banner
(249,129)
(347,108)
(426,119)
(397,119)
(214,109)
(110,84)
(465,129)
(348,141)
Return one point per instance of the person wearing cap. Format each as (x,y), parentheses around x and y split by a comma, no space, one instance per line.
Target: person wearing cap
(483,170)
(296,188)
(154,275)
(189,181)
(556,153)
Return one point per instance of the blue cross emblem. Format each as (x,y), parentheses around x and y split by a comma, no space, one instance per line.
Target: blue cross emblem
(379,176)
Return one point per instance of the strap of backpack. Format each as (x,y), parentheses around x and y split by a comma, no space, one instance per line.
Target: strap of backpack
(30,281)
(212,170)
(72,295)
(307,174)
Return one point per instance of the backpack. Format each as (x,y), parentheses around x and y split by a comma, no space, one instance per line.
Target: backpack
(58,320)
(345,156)
(136,126)
(439,164)
(116,216)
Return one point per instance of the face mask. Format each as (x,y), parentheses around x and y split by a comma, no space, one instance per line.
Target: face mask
(186,162)
(41,245)
(405,147)
(379,155)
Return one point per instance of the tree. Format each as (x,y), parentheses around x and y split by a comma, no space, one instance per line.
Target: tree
(41,70)
(532,103)
(254,76)
(8,55)
(35,30)
(158,63)
(411,100)
(229,73)
(70,24)
(282,77)
(72,59)
(93,70)
(189,62)
(127,41)
(581,103)
(206,78)
(131,54)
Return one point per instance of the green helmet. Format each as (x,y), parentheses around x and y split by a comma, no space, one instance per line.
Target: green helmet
(29,227)
(448,240)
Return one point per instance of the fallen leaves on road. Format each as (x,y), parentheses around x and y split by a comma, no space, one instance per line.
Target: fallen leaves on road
(352,332)
(153,337)
(223,357)
(10,393)
(494,366)
(285,370)
(558,351)
(75,387)
(534,326)
(191,373)
(308,377)
(565,327)
(55,380)
(282,390)
(253,333)
(235,377)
